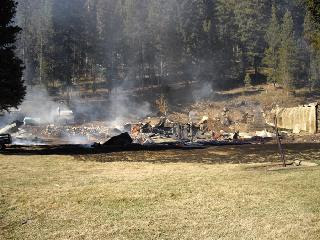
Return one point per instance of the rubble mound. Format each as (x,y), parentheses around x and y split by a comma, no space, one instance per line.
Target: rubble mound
(123,139)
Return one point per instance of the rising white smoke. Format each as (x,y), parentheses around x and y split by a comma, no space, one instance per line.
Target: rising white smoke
(124,108)
(38,104)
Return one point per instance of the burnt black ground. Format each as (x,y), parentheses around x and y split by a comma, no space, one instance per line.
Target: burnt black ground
(253,153)
(237,154)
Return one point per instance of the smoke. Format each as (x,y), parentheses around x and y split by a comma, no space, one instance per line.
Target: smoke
(125,108)
(119,107)
(38,104)
(76,139)
(27,142)
(204,92)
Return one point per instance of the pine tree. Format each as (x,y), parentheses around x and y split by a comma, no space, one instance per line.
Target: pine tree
(12,90)
(251,22)
(229,54)
(68,42)
(112,47)
(288,53)
(314,10)
(273,40)
(313,60)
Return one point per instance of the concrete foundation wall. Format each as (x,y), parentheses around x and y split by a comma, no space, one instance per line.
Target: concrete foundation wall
(298,119)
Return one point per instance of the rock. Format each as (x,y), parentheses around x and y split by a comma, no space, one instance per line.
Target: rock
(123,139)
(297,163)
(265,134)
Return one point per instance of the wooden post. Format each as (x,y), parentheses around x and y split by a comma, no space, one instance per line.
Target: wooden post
(191,131)
(279,142)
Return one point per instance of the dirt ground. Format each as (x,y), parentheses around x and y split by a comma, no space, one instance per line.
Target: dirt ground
(254,153)
(171,194)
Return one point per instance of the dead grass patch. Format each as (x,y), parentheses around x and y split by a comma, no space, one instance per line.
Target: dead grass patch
(220,153)
(58,197)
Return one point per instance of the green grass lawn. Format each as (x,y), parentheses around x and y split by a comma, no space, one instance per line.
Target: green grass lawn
(61,197)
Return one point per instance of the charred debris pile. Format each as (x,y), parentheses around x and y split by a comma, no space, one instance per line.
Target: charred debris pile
(203,125)
(149,133)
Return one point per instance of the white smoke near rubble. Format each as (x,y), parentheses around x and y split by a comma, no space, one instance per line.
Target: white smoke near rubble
(38,104)
(38,108)
(124,108)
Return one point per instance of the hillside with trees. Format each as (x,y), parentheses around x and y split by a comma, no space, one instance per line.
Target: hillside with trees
(104,44)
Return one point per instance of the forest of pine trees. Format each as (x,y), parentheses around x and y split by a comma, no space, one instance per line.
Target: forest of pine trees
(141,43)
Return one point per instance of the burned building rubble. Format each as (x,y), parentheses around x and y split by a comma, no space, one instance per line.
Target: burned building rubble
(156,130)
(241,122)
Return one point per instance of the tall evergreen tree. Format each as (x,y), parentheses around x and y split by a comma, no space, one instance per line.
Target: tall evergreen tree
(251,19)
(12,90)
(288,53)
(314,10)
(34,16)
(111,44)
(273,40)
(68,41)
(229,49)
(313,60)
